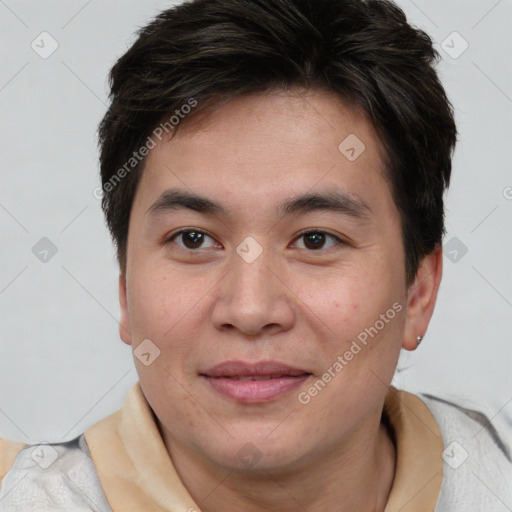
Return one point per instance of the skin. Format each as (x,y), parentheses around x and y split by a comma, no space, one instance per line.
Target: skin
(293,304)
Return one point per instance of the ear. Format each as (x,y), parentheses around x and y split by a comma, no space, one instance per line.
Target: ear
(124,321)
(421,297)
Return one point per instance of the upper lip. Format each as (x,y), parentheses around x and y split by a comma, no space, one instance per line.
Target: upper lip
(241,368)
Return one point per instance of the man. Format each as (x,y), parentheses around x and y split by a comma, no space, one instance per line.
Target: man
(273,178)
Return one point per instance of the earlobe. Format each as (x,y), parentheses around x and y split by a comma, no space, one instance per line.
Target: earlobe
(422,298)
(124,320)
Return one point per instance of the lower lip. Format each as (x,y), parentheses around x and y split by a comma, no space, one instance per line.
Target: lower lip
(255,391)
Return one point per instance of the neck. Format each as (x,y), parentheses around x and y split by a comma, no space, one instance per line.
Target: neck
(357,475)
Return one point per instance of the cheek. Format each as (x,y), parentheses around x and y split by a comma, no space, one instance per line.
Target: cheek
(148,301)
(339,298)
(157,294)
(349,306)
(164,307)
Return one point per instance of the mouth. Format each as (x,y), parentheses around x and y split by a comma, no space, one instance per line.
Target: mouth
(259,377)
(254,383)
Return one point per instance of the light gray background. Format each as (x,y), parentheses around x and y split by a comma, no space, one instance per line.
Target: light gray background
(62,364)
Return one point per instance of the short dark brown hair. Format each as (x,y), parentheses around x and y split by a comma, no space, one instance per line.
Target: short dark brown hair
(207,51)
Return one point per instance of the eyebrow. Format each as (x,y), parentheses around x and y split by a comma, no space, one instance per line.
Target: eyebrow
(335,201)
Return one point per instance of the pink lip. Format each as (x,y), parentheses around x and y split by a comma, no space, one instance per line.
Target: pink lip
(242,369)
(223,378)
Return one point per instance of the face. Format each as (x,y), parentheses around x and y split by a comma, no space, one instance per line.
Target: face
(314,290)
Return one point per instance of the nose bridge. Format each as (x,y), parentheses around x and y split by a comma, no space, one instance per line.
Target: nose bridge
(251,271)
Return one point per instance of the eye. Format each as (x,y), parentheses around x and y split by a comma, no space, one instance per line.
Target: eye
(191,239)
(315,240)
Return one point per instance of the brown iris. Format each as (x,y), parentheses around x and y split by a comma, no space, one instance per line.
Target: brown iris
(317,240)
(194,237)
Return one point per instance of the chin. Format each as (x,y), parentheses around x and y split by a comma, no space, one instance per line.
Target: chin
(255,454)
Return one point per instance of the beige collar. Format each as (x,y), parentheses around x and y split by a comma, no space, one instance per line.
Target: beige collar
(418,442)
(136,472)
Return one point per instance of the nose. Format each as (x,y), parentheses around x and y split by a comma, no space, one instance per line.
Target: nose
(254,298)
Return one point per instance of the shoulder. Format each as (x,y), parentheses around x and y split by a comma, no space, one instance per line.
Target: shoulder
(8,453)
(49,476)
(477,469)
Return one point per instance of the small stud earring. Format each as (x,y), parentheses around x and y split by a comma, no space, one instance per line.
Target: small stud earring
(418,340)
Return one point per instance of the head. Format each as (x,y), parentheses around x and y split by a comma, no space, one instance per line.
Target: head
(306,146)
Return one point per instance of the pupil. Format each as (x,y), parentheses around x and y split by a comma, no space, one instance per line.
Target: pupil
(194,237)
(316,238)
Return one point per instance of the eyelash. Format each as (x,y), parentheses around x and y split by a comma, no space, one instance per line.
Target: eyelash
(301,234)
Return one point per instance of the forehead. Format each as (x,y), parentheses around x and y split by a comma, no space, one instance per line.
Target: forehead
(258,149)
